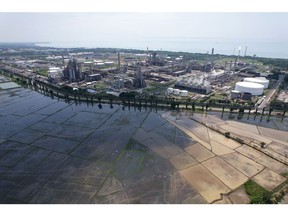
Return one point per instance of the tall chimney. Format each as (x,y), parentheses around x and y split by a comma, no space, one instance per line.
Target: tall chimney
(118,62)
(245,51)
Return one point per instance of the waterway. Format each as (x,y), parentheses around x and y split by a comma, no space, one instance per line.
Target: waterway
(227,46)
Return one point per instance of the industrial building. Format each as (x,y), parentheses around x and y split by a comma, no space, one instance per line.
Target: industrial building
(183,93)
(93,77)
(216,74)
(156,60)
(73,71)
(138,81)
(123,81)
(240,95)
(250,87)
(235,94)
(246,96)
(194,83)
(54,72)
(194,88)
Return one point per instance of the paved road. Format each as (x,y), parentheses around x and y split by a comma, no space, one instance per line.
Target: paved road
(271,93)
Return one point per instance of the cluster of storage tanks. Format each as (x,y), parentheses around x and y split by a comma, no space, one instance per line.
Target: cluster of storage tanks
(254,85)
(183,93)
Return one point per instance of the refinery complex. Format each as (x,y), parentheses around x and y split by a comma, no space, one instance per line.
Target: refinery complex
(210,77)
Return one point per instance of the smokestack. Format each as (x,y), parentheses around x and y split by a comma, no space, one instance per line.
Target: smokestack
(237,57)
(118,62)
(245,51)
(212,51)
(63,62)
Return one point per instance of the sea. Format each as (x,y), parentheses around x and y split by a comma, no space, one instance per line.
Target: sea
(228,46)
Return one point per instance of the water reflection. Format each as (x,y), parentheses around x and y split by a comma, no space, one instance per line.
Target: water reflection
(258,118)
(274,122)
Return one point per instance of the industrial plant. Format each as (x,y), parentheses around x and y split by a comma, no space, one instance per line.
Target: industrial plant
(194,83)
(150,73)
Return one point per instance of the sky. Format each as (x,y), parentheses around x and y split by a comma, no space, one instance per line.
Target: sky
(36,27)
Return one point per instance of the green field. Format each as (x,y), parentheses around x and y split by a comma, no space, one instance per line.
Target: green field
(257,194)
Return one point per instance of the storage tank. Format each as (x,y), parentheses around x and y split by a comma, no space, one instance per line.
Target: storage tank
(250,87)
(109,63)
(176,91)
(260,80)
(170,90)
(184,93)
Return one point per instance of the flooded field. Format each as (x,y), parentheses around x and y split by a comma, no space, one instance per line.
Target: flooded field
(274,122)
(57,152)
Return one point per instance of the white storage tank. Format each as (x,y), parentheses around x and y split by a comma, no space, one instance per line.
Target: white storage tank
(109,63)
(184,93)
(250,87)
(176,91)
(170,90)
(260,80)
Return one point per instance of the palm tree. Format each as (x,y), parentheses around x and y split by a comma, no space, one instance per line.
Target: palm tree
(156,102)
(263,110)
(193,106)
(134,102)
(173,104)
(99,99)
(270,111)
(241,110)
(249,110)
(111,102)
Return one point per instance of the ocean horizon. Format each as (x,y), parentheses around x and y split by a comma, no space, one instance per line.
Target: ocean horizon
(261,48)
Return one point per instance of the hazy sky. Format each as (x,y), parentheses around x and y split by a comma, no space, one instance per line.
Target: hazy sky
(25,27)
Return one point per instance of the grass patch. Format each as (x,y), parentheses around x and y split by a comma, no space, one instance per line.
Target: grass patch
(257,194)
(101,86)
(227,134)
(42,72)
(239,140)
